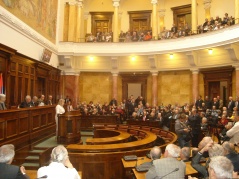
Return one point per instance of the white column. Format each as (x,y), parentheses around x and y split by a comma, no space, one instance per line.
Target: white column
(194,16)
(78,20)
(237,10)
(154,19)
(116,20)
(207,7)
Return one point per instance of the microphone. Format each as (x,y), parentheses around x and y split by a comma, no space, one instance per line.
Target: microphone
(137,161)
(176,169)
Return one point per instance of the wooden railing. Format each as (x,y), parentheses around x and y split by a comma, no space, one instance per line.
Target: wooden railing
(26,127)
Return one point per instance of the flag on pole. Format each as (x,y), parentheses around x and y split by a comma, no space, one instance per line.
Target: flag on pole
(1,84)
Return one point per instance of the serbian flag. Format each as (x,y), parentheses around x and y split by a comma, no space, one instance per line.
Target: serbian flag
(1,84)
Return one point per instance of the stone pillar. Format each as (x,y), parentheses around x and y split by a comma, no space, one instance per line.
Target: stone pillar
(195,89)
(237,11)
(161,19)
(72,22)
(78,20)
(115,86)
(116,20)
(194,16)
(207,7)
(154,19)
(86,16)
(154,88)
(72,87)
(237,81)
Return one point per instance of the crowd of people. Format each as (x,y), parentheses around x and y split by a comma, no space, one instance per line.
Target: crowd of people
(220,161)
(173,33)
(216,24)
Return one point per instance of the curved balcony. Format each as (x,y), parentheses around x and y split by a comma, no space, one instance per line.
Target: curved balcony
(218,38)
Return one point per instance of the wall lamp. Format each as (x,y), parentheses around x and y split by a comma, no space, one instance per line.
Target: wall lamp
(210,51)
(171,56)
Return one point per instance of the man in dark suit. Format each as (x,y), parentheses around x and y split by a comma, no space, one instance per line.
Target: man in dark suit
(208,103)
(35,101)
(195,124)
(27,103)
(215,103)
(8,171)
(168,167)
(231,105)
(113,102)
(199,102)
(2,102)
(231,154)
(49,100)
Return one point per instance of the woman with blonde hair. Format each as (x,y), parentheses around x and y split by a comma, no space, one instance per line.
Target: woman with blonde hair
(59,110)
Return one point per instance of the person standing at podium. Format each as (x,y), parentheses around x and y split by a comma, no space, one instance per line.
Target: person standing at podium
(59,110)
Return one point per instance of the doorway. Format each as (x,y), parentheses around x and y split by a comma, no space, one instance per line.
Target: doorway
(139,20)
(102,26)
(182,15)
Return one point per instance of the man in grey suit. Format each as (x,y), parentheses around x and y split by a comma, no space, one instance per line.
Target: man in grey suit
(2,102)
(8,171)
(168,167)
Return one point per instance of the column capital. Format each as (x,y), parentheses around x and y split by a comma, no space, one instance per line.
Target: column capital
(79,3)
(207,4)
(194,70)
(72,3)
(116,3)
(236,66)
(115,74)
(154,2)
(161,12)
(154,73)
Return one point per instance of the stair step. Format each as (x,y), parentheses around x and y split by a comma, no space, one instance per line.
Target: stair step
(35,152)
(31,166)
(32,159)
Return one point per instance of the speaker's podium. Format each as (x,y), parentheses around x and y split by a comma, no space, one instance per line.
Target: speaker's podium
(69,127)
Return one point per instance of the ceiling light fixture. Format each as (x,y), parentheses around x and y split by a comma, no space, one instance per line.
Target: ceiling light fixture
(133,58)
(210,51)
(91,58)
(171,56)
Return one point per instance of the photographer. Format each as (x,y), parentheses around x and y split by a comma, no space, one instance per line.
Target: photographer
(182,131)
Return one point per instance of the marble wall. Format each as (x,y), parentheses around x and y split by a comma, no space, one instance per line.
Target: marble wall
(96,87)
(175,87)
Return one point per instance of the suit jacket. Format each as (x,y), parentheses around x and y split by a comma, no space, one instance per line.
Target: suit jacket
(11,172)
(195,123)
(198,103)
(24,104)
(2,106)
(231,105)
(234,157)
(197,166)
(163,167)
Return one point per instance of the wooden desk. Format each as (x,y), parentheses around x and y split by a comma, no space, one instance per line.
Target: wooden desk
(131,164)
(33,174)
(27,126)
(119,138)
(69,127)
(147,142)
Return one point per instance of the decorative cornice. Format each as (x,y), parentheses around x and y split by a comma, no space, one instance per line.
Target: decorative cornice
(13,22)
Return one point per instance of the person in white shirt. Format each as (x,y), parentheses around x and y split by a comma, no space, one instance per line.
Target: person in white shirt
(60,166)
(59,110)
(233,133)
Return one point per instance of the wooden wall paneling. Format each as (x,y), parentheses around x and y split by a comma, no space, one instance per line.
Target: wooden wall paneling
(12,127)
(2,129)
(140,20)
(101,16)
(24,123)
(217,75)
(180,11)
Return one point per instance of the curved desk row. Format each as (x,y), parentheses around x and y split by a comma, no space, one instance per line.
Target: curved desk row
(118,137)
(105,160)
